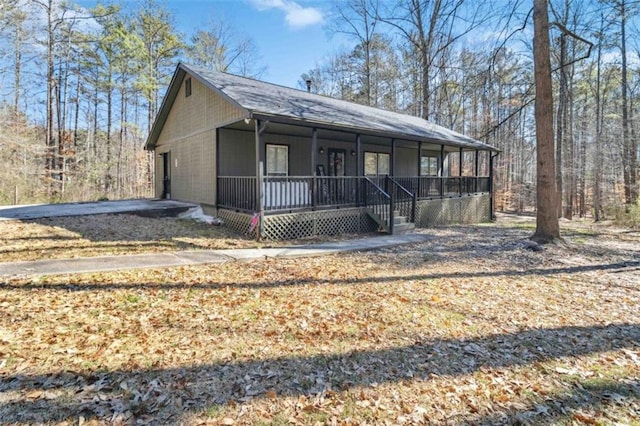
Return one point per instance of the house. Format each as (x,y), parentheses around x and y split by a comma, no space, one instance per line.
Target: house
(299,164)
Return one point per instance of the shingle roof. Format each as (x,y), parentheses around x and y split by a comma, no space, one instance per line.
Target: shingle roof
(262,99)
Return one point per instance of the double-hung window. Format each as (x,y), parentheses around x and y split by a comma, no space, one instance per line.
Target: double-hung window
(277,160)
(376,164)
(428,166)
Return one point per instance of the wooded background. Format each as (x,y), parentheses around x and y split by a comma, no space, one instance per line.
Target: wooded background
(80,88)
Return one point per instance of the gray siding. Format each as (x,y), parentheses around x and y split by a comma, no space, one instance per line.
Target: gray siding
(189,134)
(237,153)
(406,162)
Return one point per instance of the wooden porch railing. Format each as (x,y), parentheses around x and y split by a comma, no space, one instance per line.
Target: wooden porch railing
(237,193)
(286,193)
(378,200)
(404,201)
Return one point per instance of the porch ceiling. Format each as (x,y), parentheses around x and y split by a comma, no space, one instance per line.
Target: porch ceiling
(304,131)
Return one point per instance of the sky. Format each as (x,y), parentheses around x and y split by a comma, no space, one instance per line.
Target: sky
(290,35)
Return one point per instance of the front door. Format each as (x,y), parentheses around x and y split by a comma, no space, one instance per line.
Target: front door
(336,162)
(336,168)
(166,175)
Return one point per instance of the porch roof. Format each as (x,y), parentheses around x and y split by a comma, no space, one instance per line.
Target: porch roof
(268,101)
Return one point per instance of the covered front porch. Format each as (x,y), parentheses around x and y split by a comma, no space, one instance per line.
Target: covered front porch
(268,167)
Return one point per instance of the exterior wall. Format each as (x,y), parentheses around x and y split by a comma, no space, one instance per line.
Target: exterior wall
(189,134)
(237,153)
(448,211)
(299,152)
(406,162)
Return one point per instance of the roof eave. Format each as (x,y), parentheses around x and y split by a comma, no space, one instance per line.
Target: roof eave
(165,107)
(170,96)
(351,129)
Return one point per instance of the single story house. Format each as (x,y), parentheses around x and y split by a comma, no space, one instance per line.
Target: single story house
(291,164)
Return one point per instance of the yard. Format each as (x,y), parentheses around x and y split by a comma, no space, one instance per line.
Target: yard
(113,234)
(469,327)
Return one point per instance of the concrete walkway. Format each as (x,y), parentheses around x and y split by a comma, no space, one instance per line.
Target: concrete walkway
(199,257)
(143,207)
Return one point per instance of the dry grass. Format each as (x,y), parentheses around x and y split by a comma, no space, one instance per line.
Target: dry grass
(104,235)
(466,328)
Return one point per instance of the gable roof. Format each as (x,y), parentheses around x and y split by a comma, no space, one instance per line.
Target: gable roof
(273,102)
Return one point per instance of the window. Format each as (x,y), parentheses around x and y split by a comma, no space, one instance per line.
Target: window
(277,160)
(428,166)
(187,87)
(376,164)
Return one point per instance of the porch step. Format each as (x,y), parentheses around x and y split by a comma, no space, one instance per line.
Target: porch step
(400,223)
(403,228)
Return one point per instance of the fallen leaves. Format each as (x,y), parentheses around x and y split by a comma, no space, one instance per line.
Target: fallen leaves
(482,335)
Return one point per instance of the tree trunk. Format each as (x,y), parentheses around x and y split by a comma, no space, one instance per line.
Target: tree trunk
(629,162)
(582,191)
(561,120)
(50,156)
(107,177)
(597,173)
(547,226)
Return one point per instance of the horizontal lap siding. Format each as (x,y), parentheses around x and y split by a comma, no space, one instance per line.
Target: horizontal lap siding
(189,134)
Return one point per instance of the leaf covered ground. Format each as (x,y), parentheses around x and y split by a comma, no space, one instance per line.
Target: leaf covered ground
(113,234)
(469,327)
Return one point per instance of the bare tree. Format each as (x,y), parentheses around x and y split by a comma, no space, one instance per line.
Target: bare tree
(220,48)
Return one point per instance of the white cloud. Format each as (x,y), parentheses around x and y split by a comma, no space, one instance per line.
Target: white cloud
(295,15)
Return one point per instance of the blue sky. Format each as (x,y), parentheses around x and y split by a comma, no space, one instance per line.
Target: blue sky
(290,35)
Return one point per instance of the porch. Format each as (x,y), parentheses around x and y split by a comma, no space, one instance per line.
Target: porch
(284,172)
(285,194)
(301,206)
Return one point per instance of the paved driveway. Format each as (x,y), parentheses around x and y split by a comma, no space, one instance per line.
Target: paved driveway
(144,207)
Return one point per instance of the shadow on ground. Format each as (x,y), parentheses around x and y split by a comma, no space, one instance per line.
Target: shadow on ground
(627,266)
(155,393)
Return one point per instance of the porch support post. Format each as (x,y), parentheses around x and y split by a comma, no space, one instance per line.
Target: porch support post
(476,169)
(460,172)
(419,187)
(260,153)
(393,157)
(314,150)
(359,167)
(441,171)
(491,202)
(217,172)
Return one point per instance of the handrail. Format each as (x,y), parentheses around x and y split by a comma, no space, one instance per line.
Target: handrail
(376,186)
(382,200)
(412,210)
(287,193)
(400,187)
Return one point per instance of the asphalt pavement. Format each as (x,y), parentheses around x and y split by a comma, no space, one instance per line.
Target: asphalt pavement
(144,207)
